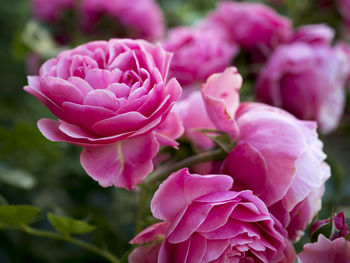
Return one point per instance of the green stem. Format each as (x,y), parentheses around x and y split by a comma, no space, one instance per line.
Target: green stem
(164,171)
(142,208)
(47,234)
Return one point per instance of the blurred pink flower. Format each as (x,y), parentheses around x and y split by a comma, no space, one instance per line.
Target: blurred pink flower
(141,18)
(253,26)
(198,53)
(308,81)
(318,34)
(206,222)
(110,97)
(326,251)
(50,10)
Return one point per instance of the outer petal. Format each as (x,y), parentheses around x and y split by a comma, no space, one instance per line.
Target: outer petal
(221,97)
(181,188)
(122,164)
(170,130)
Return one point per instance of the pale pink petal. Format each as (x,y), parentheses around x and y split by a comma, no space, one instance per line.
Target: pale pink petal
(122,164)
(221,97)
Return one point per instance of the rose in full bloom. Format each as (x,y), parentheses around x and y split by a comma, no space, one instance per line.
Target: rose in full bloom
(326,251)
(251,25)
(50,10)
(314,34)
(308,81)
(206,222)
(140,18)
(112,98)
(276,156)
(198,53)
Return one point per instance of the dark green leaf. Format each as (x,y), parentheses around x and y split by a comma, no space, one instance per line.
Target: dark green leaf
(15,216)
(66,226)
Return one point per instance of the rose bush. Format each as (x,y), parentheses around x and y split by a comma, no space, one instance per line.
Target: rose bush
(111,97)
(206,222)
(308,81)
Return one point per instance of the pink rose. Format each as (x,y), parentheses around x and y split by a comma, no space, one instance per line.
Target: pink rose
(206,222)
(276,156)
(318,34)
(198,53)
(110,97)
(251,25)
(306,80)
(143,18)
(50,10)
(326,251)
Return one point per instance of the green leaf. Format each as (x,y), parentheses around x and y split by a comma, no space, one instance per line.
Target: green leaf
(3,201)
(15,216)
(17,178)
(67,226)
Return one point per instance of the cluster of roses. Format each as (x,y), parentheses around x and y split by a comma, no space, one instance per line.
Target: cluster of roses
(114,99)
(131,18)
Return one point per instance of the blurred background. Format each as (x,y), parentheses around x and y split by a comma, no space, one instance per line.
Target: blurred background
(48,175)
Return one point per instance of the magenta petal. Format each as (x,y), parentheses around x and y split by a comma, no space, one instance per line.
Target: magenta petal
(130,121)
(195,214)
(221,97)
(122,164)
(102,98)
(60,90)
(247,167)
(198,247)
(151,233)
(181,188)
(86,115)
(34,89)
(215,248)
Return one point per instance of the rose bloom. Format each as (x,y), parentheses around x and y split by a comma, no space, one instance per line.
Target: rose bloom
(308,81)
(276,156)
(50,10)
(326,251)
(140,18)
(112,98)
(206,222)
(251,25)
(317,34)
(198,53)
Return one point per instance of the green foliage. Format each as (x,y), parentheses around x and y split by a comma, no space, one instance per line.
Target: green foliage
(16,216)
(67,226)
